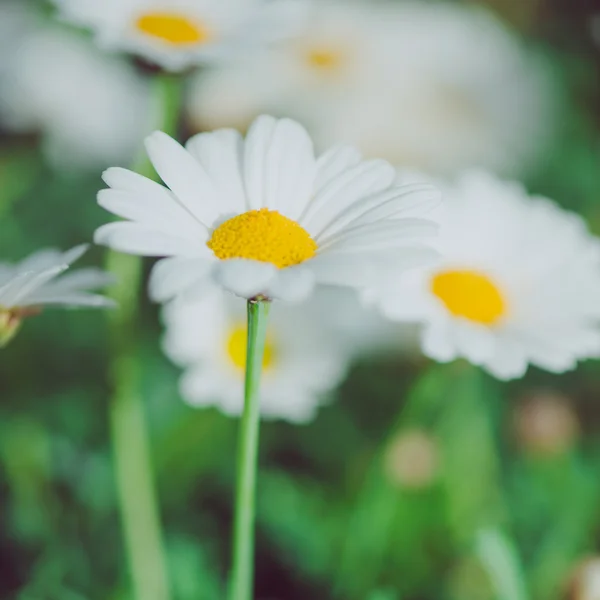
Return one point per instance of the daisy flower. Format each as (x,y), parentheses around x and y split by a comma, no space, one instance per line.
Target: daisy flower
(518,284)
(434,86)
(38,281)
(91,110)
(339,52)
(177,34)
(263,217)
(207,337)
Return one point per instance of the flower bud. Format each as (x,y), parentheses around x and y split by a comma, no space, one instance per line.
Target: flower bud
(9,325)
(545,423)
(411,459)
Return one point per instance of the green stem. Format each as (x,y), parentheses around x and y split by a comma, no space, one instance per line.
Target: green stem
(478,515)
(138,504)
(242,572)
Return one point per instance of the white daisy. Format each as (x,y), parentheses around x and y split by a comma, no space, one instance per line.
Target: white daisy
(362,328)
(435,86)
(264,217)
(302,360)
(91,110)
(38,281)
(177,34)
(310,75)
(519,283)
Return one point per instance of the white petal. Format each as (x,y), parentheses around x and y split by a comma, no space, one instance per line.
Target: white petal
(20,287)
(509,360)
(437,342)
(158,210)
(554,353)
(403,303)
(245,278)
(40,260)
(130,181)
(199,387)
(554,360)
(50,257)
(256,148)
(405,201)
(279,166)
(333,163)
(474,342)
(182,173)
(137,239)
(81,279)
(369,177)
(173,276)
(293,405)
(368,268)
(292,284)
(74,254)
(13,286)
(290,169)
(391,233)
(220,154)
(74,300)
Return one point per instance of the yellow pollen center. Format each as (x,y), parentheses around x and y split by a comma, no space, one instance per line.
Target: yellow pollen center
(324,58)
(263,235)
(237,347)
(470,295)
(172,28)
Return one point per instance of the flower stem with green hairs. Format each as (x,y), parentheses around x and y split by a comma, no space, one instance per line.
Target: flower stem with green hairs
(138,504)
(242,571)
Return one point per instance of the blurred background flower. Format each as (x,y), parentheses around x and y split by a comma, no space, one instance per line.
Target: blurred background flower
(303,359)
(432,86)
(39,281)
(89,109)
(518,282)
(177,35)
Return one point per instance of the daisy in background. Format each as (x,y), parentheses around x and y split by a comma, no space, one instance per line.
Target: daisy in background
(302,363)
(433,86)
(264,217)
(518,283)
(362,330)
(177,34)
(39,280)
(91,110)
(325,64)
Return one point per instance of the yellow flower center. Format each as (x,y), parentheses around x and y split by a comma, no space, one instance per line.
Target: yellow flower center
(470,295)
(325,59)
(263,235)
(173,28)
(237,348)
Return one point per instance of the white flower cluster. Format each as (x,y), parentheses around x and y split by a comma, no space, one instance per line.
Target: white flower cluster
(509,281)
(435,86)
(489,274)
